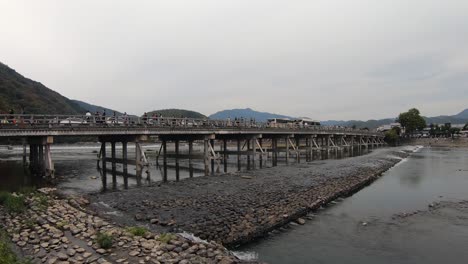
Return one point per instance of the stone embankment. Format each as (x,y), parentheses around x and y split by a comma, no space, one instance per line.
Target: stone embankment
(237,208)
(52,230)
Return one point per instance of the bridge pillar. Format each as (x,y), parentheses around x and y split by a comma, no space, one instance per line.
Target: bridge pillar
(104,166)
(254,150)
(248,153)
(40,157)
(298,150)
(274,150)
(190,158)
(125,163)
(114,166)
(260,142)
(238,154)
(287,150)
(164,149)
(225,149)
(206,156)
(177,160)
(212,143)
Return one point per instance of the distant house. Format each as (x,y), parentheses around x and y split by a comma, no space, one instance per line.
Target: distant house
(388,127)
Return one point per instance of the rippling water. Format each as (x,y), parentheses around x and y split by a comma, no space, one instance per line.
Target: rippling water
(337,233)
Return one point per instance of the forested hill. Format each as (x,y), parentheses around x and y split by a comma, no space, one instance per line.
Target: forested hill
(246,113)
(178,113)
(95,108)
(24,95)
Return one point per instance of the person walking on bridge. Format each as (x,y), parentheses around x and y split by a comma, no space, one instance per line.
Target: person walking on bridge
(11,118)
(88,116)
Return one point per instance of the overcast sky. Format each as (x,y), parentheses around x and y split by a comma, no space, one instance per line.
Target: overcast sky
(330,59)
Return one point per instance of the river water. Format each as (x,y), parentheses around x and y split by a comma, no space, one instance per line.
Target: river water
(365,228)
(76,167)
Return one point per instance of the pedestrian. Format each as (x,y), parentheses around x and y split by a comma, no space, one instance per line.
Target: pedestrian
(88,116)
(104,116)
(145,118)
(97,117)
(11,118)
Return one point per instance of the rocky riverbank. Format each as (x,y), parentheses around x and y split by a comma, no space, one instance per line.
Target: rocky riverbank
(237,208)
(48,229)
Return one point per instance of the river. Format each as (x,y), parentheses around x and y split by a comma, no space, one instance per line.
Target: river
(77,173)
(366,228)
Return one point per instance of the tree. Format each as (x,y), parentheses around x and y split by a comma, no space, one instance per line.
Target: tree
(412,120)
(391,136)
(465,127)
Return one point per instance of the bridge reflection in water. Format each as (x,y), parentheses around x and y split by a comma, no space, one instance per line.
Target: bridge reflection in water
(219,140)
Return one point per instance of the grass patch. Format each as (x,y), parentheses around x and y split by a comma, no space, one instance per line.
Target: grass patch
(104,240)
(62,224)
(27,190)
(166,237)
(7,256)
(3,196)
(43,200)
(14,204)
(30,223)
(137,230)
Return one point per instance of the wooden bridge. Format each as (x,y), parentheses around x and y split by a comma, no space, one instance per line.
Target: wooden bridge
(259,142)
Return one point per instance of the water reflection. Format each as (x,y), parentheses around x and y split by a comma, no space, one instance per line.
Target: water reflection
(78,169)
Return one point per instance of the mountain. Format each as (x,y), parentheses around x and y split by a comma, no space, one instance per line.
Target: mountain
(27,96)
(95,108)
(245,113)
(460,118)
(463,114)
(178,113)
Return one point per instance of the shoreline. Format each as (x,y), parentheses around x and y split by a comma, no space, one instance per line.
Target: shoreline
(461,142)
(237,208)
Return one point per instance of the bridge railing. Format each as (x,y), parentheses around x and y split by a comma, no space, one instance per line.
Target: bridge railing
(122,121)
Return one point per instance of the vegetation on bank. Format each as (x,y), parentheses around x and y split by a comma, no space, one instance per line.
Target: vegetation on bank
(137,230)
(166,237)
(15,203)
(104,240)
(7,255)
(445,130)
(412,121)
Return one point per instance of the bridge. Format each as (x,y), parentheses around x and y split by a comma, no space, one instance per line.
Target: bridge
(257,141)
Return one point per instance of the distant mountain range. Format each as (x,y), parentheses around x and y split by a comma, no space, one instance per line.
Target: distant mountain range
(27,96)
(460,118)
(245,113)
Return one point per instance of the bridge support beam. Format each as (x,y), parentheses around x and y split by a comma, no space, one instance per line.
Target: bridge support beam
(40,156)
(140,162)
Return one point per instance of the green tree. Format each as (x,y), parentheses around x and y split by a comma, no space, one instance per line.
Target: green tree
(412,120)
(391,136)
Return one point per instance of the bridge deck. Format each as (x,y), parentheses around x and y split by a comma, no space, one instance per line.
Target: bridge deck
(33,125)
